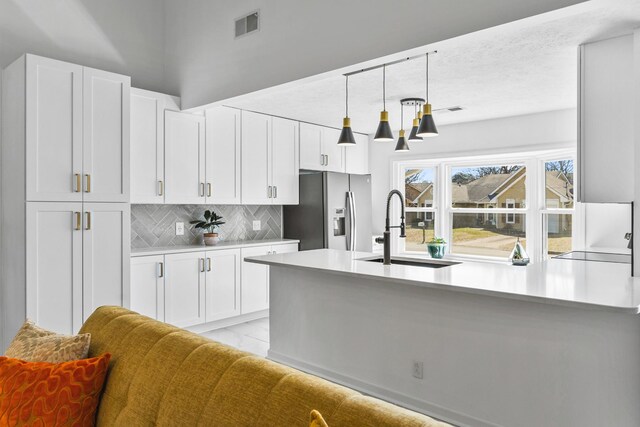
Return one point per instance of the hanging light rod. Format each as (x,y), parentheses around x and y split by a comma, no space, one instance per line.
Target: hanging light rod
(375,67)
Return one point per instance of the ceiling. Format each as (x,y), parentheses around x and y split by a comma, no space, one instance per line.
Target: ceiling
(519,68)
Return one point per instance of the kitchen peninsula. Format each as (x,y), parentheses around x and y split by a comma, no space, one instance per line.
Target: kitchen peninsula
(478,344)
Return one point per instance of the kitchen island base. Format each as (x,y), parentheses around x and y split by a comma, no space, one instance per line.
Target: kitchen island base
(487,360)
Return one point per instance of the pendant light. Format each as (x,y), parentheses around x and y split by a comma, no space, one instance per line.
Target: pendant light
(346,136)
(384,134)
(427,126)
(413,137)
(402,143)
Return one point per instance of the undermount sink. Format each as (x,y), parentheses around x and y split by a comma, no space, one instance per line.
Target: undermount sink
(414,262)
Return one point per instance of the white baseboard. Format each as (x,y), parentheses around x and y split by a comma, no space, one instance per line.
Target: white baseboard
(223,323)
(421,406)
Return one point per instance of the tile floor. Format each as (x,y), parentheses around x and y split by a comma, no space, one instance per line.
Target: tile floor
(252,337)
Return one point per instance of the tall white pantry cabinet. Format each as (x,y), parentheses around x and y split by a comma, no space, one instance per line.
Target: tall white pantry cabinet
(65,193)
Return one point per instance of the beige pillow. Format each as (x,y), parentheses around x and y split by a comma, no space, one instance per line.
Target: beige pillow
(34,344)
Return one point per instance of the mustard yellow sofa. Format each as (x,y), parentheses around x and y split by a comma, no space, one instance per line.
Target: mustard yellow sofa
(165,376)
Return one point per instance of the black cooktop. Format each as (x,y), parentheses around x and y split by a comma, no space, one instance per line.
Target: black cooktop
(596,256)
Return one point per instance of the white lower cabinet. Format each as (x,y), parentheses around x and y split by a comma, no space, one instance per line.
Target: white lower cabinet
(255,281)
(255,277)
(189,289)
(222,284)
(147,286)
(184,289)
(78,260)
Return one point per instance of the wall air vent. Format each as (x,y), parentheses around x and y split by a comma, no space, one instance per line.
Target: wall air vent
(248,24)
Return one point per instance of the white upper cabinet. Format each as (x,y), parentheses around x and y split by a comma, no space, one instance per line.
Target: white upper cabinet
(53,130)
(285,161)
(256,159)
(77,133)
(311,156)
(606,120)
(357,157)
(147,144)
(319,149)
(269,166)
(223,156)
(106,136)
(333,153)
(184,158)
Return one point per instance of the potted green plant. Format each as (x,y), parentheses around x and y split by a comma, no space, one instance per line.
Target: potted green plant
(211,222)
(437,247)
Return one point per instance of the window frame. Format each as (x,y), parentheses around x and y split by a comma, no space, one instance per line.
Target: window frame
(533,211)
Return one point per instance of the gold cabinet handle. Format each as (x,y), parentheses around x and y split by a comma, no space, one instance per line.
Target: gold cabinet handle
(161,265)
(78,220)
(88,221)
(208,264)
(208,189)
(160,188)
(78,182)
(88,183)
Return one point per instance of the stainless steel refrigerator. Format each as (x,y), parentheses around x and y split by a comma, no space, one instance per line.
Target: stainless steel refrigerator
(334,212)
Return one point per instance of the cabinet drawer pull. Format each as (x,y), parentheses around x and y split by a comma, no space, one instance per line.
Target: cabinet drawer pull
(275,191)
(88,223)
(87,183)
(78,220)
(201,265)
(322,159)
(78,186)
(208,264)
(269,192)
(202,189)
(327,162)
(208,189)
(161,265)
(160,188)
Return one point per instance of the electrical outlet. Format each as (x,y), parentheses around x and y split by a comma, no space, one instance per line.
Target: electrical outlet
(417,369)
(179,228)
(257,225)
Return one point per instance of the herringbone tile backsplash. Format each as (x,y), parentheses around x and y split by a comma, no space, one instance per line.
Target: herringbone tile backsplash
(155,225)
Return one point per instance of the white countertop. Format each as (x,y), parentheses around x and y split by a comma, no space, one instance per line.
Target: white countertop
(232,244)
(574,283)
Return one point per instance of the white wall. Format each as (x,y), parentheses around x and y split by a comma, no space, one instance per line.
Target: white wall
(299,39)
(555,129)
(122,36)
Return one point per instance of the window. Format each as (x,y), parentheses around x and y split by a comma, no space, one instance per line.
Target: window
(558,210)
(483,205)
(482,189)
(419,192)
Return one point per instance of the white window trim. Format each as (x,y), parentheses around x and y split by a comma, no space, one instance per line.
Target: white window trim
(534,209)
(511,202)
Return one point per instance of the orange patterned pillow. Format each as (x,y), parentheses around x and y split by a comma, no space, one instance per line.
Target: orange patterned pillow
(48,394)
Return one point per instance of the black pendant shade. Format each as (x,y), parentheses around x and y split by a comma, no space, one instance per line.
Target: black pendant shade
(427,126)
(384,134)
(402,143)
(346,136)
(413,137)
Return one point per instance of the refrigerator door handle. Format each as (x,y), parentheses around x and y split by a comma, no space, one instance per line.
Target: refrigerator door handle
(350,235)
(354,222)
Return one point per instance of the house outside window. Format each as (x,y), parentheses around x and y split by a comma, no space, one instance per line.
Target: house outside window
(482,205)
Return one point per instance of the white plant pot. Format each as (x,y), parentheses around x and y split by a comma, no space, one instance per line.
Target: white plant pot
(211,239)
